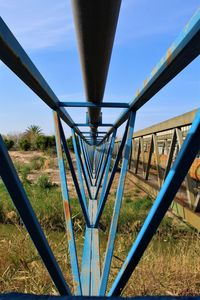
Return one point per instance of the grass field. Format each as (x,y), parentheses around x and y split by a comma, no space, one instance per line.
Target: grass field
(170,265)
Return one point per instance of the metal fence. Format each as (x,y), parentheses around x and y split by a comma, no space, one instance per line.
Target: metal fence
(153,152)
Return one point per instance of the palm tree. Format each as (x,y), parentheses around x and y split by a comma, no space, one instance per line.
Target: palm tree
(31,134)
(33,130)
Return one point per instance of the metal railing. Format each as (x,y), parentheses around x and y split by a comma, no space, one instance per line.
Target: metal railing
(153,151)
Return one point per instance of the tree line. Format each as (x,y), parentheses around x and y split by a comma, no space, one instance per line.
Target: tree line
(33,139)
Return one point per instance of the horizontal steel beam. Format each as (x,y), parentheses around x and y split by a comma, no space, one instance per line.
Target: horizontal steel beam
(95,134)
(182,52)
(89,124)
(91,140)
(14,56)
(97,105)
(99,132)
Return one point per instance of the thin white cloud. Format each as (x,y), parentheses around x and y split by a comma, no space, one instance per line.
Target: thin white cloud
(39,26)
(42,24)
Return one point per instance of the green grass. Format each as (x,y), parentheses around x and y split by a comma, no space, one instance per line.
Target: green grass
(46,200)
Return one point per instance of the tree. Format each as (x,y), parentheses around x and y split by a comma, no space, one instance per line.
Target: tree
(31,134)
(33,130)
(70,144)
(24,144)
(45,142)
(9,143)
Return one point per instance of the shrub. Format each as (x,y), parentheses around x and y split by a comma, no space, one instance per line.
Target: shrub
(24,171)
(37,162)
(24,144)
(41,142)
(51,141)
(70,144)
(44,182)
(50,152)
(9,143)
(45,142)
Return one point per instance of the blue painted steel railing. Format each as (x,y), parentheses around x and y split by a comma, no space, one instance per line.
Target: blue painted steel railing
(93,161)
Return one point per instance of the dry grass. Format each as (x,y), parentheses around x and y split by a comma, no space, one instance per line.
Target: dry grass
(168,267)
(21,269)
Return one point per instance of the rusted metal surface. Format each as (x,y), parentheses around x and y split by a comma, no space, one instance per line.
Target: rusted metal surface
(67,210)
(153,151)
(195,169)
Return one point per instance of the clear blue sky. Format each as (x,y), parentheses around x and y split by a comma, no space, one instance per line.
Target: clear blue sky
(145,30)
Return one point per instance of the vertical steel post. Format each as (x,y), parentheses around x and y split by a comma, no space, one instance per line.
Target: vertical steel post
(76,184)
(102,170)
(112,175)
(67,210)
(78,164)
(117,206)
(85,162)
(107,169)
(84,168)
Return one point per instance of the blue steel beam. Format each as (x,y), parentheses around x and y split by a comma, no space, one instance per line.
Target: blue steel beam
(86,258)
(67,210)
(91,139)
(90,273)
(78,164)
(100,170)
(107,169)
(85,163)
(99,157)
(117,206)
(112,175)
(95,255)
(89,125)
(182,52)
(89,168)
(99,132)
(175,177)
(23,205)
(76,184)
(83,170)
(97,105)
(103,169)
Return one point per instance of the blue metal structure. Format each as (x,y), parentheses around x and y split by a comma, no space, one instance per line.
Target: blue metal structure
(93,150)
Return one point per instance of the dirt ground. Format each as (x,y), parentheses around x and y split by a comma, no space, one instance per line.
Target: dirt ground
(50,168)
